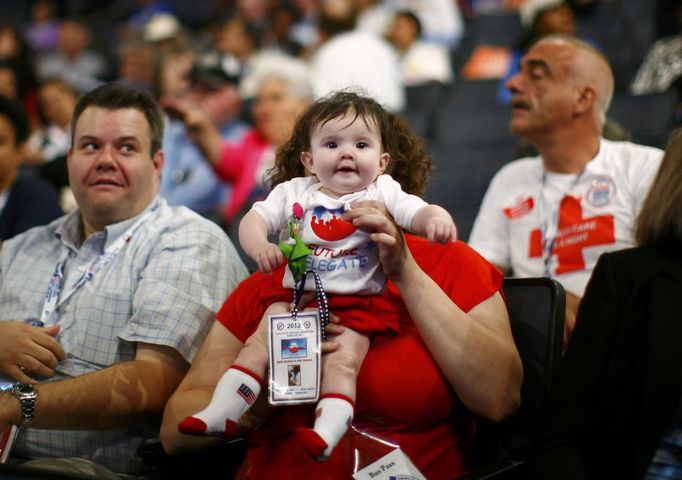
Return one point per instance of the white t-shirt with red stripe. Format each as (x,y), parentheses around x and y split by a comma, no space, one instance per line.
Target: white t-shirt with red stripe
(580,216)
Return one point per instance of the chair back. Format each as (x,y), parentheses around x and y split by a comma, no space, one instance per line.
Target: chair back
(536,308)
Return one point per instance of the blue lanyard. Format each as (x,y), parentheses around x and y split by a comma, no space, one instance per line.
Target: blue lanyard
(54,289)
(549,224)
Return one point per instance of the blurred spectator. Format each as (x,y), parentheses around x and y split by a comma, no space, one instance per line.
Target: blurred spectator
(238,38)
(56,100)
(24,201)
(174,66)
(187,177)
(374,16)
(304,31)
(42,30)
(283,92)
(662,66)
(349,58)
(256,13)
(137,64)
(441,19)
(9,84)
(48,145)
(15,52)
(82,68)
(279,36)
(421,61)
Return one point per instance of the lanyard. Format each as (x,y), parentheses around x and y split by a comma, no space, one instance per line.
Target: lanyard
(549,224)
(322,302)
(54,289)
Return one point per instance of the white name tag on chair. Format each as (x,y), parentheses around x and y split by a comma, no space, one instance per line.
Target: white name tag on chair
(294,351)
(394,466)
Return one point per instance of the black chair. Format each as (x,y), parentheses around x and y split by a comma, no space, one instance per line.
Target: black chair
(649,118)
(473,126)
(461,177)
(536,309)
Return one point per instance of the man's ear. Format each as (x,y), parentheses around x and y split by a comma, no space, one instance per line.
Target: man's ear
(383,162)
(158,160)
(307,161)
(585,100)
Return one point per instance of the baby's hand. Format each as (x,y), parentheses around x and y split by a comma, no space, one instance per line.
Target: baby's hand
(268,256)
(441,230)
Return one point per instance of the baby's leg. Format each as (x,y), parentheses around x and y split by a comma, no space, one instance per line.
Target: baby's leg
(236,391)
(334,411)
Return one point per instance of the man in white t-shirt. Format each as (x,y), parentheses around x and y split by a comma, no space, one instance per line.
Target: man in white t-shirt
(554,214)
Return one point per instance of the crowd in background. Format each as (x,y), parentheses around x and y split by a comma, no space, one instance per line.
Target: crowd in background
(214,54)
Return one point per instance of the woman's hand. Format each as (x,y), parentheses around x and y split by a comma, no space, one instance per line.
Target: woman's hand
(372,216)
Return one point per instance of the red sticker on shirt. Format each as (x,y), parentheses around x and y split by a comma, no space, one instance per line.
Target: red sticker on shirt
(519,207)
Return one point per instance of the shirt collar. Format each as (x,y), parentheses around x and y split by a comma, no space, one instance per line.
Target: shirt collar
(70,232)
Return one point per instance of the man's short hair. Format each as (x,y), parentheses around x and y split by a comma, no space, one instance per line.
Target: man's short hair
(116,96)
(16,114)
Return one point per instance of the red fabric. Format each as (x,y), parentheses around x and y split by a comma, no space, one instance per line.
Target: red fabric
(402,396)
(238,165)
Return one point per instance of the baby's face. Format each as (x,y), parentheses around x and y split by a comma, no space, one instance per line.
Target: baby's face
(345,154)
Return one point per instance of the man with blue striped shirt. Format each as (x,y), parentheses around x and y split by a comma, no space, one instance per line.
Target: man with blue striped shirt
(125,286)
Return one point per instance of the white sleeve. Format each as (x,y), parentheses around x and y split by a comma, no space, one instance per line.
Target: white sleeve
(401,205)
(490,233)
(642,175)
(273,208)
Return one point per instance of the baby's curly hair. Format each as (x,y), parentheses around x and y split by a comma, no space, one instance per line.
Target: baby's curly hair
(409,164)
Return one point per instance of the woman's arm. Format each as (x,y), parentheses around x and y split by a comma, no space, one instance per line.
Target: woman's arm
(195,391)
(475,350)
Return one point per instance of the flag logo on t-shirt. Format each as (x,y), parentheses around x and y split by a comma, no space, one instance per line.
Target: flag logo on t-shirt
(328,224)
(601,191)
(246,393)
(519,206)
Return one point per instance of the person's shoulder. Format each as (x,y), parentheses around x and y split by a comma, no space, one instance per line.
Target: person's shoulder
(641,262)
(35,238)
(520,168)
(170,220)
(35,187)
(620,151)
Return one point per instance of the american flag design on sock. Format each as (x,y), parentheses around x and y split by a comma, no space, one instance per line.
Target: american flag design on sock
(246,393)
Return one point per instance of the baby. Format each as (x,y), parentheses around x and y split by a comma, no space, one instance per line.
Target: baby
(348,142)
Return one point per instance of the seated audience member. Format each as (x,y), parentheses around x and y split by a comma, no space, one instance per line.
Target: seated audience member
(661,69)
(25,201)
(614,410)
(421,61)
(348,57)
(74,61)
(554,214)
(188,178)
(132,286)
(283,92)
(56,101)
(452,354)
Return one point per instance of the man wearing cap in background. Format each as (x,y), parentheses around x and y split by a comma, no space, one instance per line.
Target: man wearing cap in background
(187,178)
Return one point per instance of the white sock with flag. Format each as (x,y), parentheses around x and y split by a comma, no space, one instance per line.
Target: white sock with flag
(333,415)
(236,391)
